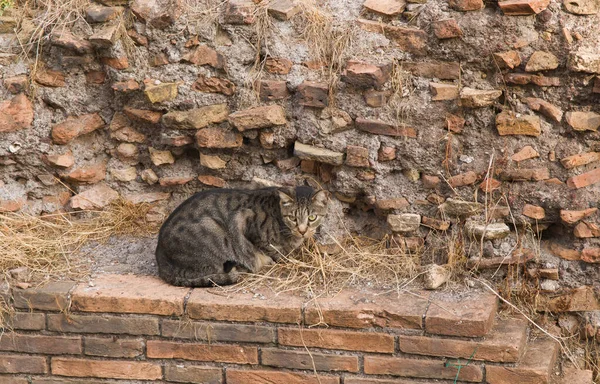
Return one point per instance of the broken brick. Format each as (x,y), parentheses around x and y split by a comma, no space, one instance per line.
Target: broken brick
(537,174)
(214,85)
(215,137)
(549,110)
(126,86)
(314,94)
(583,121)
(508,59)
(446,29)
(283,9)
(16,114)
(571,217)
(440,91)
(76,126)
(204,55)
(357,156)
(541,61)
(580,159)
(386,7)
(534,212)
(585,179)
(50,78)
(454,123)
(463,179)
(523,7)
(278,65)
(466,5)
(509,123)
(378,127)
(386,153)
(526,153)
(365,75)
(269,90)
(239,12)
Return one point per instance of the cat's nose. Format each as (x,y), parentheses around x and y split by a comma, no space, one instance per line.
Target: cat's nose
(302,229)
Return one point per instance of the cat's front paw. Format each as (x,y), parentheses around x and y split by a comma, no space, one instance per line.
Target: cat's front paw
(262,260)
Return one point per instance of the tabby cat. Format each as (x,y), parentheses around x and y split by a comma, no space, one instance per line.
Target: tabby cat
(216,234)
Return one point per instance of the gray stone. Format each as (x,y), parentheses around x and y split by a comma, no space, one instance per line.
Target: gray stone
(490,231)
(475,98)
(460,208)
(322,155)
(406,222)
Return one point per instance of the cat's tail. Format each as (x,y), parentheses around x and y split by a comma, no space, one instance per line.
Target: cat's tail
(182,277)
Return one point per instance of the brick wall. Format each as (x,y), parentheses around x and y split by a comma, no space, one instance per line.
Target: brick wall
(110,329)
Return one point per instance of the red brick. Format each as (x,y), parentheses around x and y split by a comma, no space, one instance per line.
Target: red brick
(109,369)
(362,380)
(87,174)
(204,55)
(278,65)
(357,156)
(143,115)
(239,12)
(411,40)
(508,59)
(586,230)
(545,108)
(16,114)
(313,94)
(49,345)
(126,86)
(388,204)
(235,376)
(526,153)
(355,309)
(137,38)
(438,70)
(212,181)
(463,179)
(272,90)
(330,339)
(580,159)
(103,324)
(534,212)
(455,124)
(158,349)
(26,321)
(470,317)
(489,185)
(575,300)
(564,253)
(523,7)
(466,5)
(76,126)
(585,179)
(279,358)
(428,369)
(534,368)
(215,137)
(69,41)
(5,379)
(214,85)
(525,78)
(590,255)
(537,174)
(378,127)
(116,62)
(113,347)
(193,374)
(95,77)
(446,29)
(375,98)
(365,75)
(22,364)
(244,307)
(440,225)
(386,153)
(51,297)
(504,343)
(50,78)
(218,332)
(158,60)
(174,181)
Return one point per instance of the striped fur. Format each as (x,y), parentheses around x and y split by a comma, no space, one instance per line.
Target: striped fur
(215,234)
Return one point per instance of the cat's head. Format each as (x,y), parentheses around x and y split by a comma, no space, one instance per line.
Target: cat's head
(303,209)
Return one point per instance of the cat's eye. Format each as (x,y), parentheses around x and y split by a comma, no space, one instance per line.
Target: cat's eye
(312,217)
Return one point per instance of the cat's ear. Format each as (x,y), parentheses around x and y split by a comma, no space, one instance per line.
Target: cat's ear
(320,198)
(285,198)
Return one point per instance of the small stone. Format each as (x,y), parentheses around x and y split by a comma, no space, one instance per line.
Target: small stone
(89,174)
(375,98)
(389,204)
(16,84)
(76,126)
(69,41)
(582,7)
(508,123)
(161,157)
(126,174)
(463,179)
(270,90)
(490,231)
(20,274)
(158,60)
(386,153)
(434,276)
(215,137)
(526,153)
(175,140)
(523,7)
(126,86)
(406,222)
(430,182)
(541,61)
(127,151)
(204,55)
(549,110)
(212,162)
(149,176)
(196,118)
(16,114)
(386,7)
(475,98)
(278,65)
(100,14)
(174,181)
(95,77)
(137,38)
(537,174)
(571,217)
(214,85)
(150,197)
(440,91)
(97,197)
(490,184)
(466,5)
(64,160)
(50,78)
(412,174)
(239,12)
(161,92)
(584,61)
(508,59)
(460,208)
(313,94)
(157,13)
(549,285)
(322,155)
(213,181)
(116,62)
(283,9)
(357,156)
(365,75)
(454,123)
(534,212)
(258,117)
(580,159)
(446,29)
(411,40)
(439,225)
(583,121)
(106,36)
(143,115)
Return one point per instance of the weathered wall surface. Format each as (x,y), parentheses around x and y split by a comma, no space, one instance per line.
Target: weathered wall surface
(401,110)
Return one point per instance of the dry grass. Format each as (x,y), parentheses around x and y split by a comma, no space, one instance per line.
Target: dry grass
(360,261)
(47,244)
